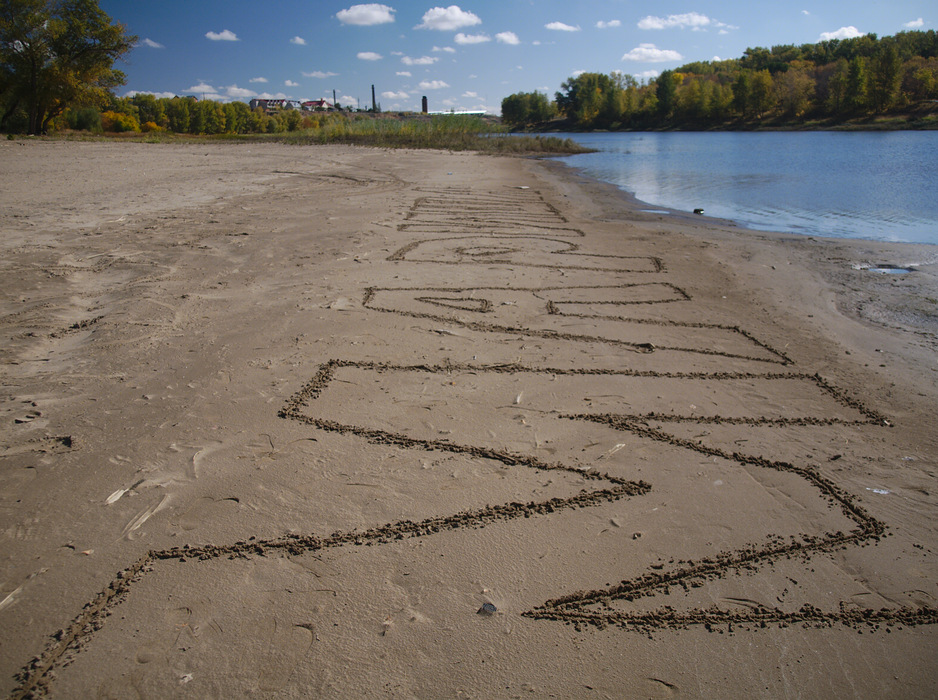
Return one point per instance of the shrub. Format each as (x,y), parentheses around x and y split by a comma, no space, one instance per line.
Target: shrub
(119,122)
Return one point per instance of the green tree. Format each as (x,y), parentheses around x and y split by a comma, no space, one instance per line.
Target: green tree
(584,98)
(177,113)
(856,95)
(761,95)
(55,54)
(885,77)
(666,92)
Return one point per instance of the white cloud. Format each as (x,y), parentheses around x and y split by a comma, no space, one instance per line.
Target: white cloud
(290,83)
(224,35)
(469,93)
(561,27)
(422,61)
(850,32)
(395,95)
(465,39)
(201,87)
(319,74)
(258,80)
(806,13)
(914,24)
(156,45)
(448,19)
(507,38)
(649,53)
(404,73)
(578,73)
(432,85)
(298,40)
(236,92)
(158,95)
(608,25)
(369,56)
(444,49)
(694,20)
(647,75)
(272,96)
(366,15)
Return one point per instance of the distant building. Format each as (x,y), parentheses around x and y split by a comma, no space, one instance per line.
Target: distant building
(276,105)
(312,105)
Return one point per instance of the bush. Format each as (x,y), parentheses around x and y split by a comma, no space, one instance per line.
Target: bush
(85,119)
(148,127)
(119,122)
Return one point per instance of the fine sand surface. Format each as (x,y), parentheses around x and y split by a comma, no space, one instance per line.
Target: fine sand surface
(337,422)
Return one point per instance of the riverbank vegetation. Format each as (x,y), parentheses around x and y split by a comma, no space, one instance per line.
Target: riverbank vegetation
(383,130)
(886,83)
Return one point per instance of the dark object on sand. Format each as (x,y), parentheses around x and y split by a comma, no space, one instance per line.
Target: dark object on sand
(486,609)
(698,211)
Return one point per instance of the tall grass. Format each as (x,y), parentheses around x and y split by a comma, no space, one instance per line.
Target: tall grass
(448,132)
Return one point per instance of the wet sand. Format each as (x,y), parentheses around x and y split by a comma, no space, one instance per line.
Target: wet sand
(341,422)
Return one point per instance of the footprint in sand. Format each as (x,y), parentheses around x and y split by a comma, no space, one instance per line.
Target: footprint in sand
(179,624)
(286,645)
(207,509)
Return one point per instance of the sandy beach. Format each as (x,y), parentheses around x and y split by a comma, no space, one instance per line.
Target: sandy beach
(339,422)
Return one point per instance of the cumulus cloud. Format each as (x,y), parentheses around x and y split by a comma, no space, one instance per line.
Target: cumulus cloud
(465,39)
(201,87)
(290,83)
(395,95)
(272,96)
(507,38)
(914,24)
(403,73)
(444,49)
(647,75)
(469,93)
(850,32)
(432,85)
(298,40)
(649,53)
(561,27)
(608,25)
(695,20)
(369,56)
(156,45)
(258,80)
(448,19)
(236,92)
(319,74)
(366,15)
(224,35)
(422,61)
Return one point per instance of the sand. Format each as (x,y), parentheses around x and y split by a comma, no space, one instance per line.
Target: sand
(342,422)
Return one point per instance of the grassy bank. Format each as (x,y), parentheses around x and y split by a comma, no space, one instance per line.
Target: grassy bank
(449,132)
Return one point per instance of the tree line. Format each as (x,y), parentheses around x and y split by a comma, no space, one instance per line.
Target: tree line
(829,81)
(57,71)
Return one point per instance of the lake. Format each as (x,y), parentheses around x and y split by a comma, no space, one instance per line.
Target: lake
(872,185)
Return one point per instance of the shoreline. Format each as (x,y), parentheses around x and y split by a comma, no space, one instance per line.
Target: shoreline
(349,422)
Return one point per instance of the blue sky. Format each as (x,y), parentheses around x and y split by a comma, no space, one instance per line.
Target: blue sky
(463,57)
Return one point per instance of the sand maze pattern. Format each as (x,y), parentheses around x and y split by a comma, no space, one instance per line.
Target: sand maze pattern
(543,312)
(464,210)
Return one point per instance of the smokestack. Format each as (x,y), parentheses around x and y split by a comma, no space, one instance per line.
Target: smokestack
(425,108)
(333,98)
(374,105)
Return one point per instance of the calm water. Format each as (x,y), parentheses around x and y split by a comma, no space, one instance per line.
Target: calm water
(881,186)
